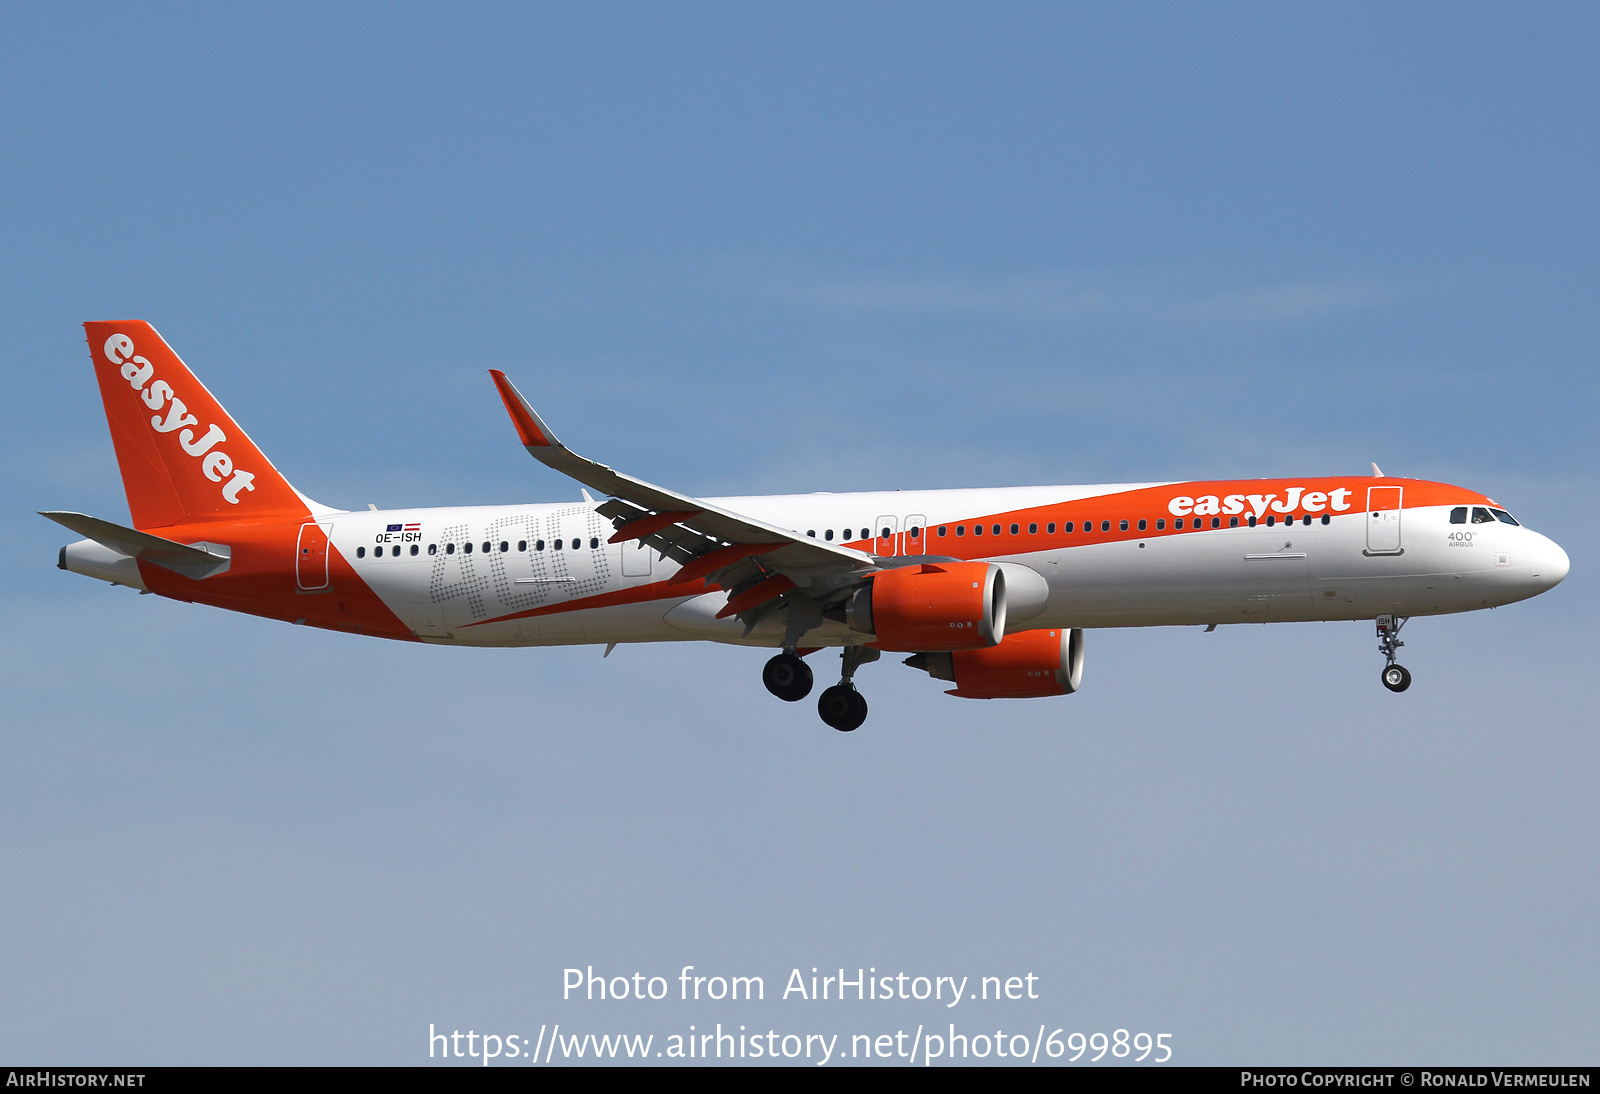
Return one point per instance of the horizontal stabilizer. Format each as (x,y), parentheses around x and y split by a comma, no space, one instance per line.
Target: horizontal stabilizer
(192,561)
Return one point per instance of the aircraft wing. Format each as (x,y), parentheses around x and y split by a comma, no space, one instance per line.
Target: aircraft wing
(747,556)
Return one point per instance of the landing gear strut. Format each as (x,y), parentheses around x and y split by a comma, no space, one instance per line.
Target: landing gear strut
(1395,677)
(787,677)
(842,706)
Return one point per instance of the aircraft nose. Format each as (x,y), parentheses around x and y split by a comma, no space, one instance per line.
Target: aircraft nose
(1550,563)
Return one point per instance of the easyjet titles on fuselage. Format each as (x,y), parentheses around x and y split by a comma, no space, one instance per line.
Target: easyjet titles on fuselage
(1295,498)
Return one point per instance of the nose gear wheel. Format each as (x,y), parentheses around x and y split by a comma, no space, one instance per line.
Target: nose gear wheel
(1395,677)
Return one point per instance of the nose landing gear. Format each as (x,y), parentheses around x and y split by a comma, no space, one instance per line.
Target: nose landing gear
(842,706)
(1395,677)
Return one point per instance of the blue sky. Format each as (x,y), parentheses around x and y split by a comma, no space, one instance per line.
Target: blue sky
(749,250)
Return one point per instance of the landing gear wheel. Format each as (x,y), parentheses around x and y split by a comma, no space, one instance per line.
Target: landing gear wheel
(1396,678)
(842,707)
(787,677)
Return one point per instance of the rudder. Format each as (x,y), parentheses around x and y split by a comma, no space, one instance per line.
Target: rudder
(182,457)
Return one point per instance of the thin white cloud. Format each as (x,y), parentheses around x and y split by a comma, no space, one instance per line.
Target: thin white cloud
(1065,296)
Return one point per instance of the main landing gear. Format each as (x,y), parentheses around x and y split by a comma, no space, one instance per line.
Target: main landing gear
(1395,677)
(787,677)
(841,706)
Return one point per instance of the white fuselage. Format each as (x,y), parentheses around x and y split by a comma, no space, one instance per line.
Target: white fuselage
(549,576)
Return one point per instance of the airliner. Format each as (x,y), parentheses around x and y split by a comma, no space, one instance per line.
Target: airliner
(990,590)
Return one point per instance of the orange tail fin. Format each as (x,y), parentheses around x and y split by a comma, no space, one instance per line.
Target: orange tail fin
(182,457)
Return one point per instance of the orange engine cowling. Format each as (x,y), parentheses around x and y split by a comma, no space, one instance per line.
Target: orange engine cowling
(1028,665)
(932,606)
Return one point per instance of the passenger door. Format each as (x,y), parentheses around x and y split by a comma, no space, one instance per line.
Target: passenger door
(1383,520)
(311,557)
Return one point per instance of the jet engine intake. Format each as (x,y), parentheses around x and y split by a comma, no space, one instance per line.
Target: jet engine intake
(1027,665)
(932,606)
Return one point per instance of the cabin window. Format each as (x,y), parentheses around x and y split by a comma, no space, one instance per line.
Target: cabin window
(522,545)
(1105,526)
(961,529)
(812,532)
(467,547)
(942,527)
(1326,519)
(538,545)
(1250,521)
(1015,529)
(415,549)
(977,529)
(866,533)
(1033,529)
(1216,522)
(996,529)
(1161,524)
(916,533)
(1142,526)
(1271,520)
(594,543)
(361,552)
(504,546)
(1051,527)
(1123,526)
(396,551)
(828,535)
(449,548)
(1233,522)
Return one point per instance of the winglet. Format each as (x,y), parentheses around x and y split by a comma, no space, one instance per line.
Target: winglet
(530,427)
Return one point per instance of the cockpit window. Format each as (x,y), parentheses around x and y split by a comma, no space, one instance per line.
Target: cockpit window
(1458,515)
(1503,516)
(1480,515)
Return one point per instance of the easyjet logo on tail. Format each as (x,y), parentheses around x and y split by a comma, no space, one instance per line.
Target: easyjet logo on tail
(215,464)
(1296,497)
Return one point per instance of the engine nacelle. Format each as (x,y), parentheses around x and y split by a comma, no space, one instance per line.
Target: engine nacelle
(932,606)
(1028,665)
